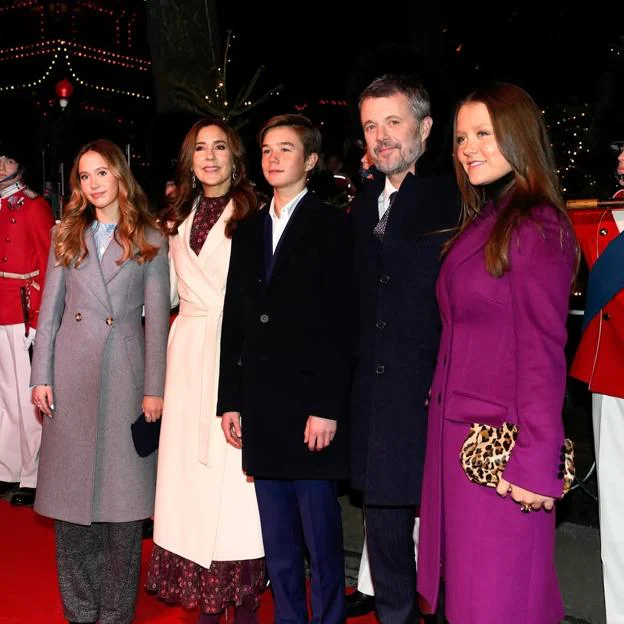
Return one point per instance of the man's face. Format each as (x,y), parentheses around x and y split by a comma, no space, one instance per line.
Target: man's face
(394,137)
(8,167)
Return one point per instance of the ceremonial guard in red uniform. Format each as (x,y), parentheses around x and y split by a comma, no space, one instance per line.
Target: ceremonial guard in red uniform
(25,223)
(599,362)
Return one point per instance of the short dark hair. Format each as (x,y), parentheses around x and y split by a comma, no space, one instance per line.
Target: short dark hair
(390,84)
(308,133)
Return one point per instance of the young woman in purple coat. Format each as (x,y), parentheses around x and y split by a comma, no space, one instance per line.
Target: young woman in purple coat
(503,295)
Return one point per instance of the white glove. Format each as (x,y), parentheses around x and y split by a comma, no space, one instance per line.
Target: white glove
(30,339)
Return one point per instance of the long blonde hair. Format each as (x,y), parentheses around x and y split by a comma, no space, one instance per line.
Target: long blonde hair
(79,214)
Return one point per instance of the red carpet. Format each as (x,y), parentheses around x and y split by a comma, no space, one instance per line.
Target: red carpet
(29,590)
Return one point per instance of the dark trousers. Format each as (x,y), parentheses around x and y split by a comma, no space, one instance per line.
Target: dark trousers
(98,570)
(295,515)
(390,543)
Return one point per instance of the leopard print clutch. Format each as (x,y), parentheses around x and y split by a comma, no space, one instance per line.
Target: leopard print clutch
(486,451)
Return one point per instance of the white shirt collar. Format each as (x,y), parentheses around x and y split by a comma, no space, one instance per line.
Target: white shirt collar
(287,210)
(384,197)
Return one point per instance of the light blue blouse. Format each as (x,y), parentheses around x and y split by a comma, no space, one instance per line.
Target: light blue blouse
(103,234)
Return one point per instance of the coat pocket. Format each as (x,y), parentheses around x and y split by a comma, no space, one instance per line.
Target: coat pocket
(469,408)
(134,349)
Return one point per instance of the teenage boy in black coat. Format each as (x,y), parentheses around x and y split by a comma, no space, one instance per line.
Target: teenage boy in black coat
(286,360)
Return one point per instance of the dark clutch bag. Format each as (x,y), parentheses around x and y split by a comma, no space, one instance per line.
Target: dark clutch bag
(145,435)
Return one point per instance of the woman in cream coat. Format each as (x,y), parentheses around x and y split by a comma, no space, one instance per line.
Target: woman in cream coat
(208,545)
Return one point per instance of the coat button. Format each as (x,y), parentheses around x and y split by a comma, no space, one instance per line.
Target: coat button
(78,316)
(5,259)
(13,220)
(380,324)
(384,279)
(7,240)
(109,320)
(264,319)
(561,467)
(603,231)
(380,370)
(606,316)
(560,475)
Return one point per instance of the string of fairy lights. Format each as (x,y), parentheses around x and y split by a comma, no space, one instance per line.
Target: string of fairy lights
(570,132)
(69,49)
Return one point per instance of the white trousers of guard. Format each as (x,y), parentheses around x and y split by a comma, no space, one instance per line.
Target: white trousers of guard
(608,417)
(365,580)
(20,423)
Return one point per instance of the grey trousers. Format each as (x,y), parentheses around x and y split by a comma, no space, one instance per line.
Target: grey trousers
(98,570)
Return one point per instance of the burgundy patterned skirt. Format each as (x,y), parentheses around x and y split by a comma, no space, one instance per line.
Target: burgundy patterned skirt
(177,580)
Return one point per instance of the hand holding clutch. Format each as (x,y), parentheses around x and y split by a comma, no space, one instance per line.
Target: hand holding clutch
(145,435)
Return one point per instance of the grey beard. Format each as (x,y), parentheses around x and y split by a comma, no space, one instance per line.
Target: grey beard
(403,165)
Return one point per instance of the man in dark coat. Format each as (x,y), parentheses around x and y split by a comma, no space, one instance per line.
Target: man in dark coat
(286,363)
(400,223)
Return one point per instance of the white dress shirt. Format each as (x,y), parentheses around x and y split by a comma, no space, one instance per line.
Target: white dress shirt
(280,223)
(384,198)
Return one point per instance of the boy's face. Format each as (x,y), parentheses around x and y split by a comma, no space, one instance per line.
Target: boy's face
(284,164)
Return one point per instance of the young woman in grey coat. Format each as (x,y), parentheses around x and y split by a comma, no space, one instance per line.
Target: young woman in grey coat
(95,370)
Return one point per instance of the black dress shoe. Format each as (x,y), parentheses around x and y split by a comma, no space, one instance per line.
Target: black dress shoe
(359,604)
(148,528)
(5,486)
(24,497)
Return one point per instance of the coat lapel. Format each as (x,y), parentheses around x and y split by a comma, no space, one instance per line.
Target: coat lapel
(215,237)
(91,272)
(108,263)
(304,214)
(472,240)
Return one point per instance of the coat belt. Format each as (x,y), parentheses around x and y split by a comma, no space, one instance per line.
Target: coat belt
(21,276)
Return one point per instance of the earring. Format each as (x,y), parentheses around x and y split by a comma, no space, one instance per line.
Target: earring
(193,181)
(234,173)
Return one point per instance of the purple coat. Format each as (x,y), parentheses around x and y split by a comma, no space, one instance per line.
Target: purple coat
(501,359)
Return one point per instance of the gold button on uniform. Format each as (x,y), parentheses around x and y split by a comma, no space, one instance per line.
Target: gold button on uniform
(109,320)
(78,316)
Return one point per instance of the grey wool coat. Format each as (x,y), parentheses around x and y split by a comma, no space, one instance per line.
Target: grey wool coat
(92,349)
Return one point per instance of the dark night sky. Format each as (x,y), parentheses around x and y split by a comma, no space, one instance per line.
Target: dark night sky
(548,47)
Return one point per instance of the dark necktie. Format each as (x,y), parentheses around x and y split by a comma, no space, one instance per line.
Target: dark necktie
(380,228)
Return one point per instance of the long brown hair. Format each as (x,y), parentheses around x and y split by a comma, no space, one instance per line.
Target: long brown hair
(522,138)
(79,214)
(179,207)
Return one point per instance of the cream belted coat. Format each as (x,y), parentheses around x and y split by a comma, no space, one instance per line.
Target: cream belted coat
(206,506)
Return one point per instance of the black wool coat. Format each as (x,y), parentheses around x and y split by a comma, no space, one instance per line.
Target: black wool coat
(399,334)
(287,343)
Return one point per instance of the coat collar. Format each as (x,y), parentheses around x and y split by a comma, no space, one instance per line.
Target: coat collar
(472,240)
(304,214)
(215,236)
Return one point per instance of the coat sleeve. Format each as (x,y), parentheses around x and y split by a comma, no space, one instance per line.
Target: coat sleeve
(50,315)
(542,260)
(40,223)
(232,333)
(156,319)
(329,390)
